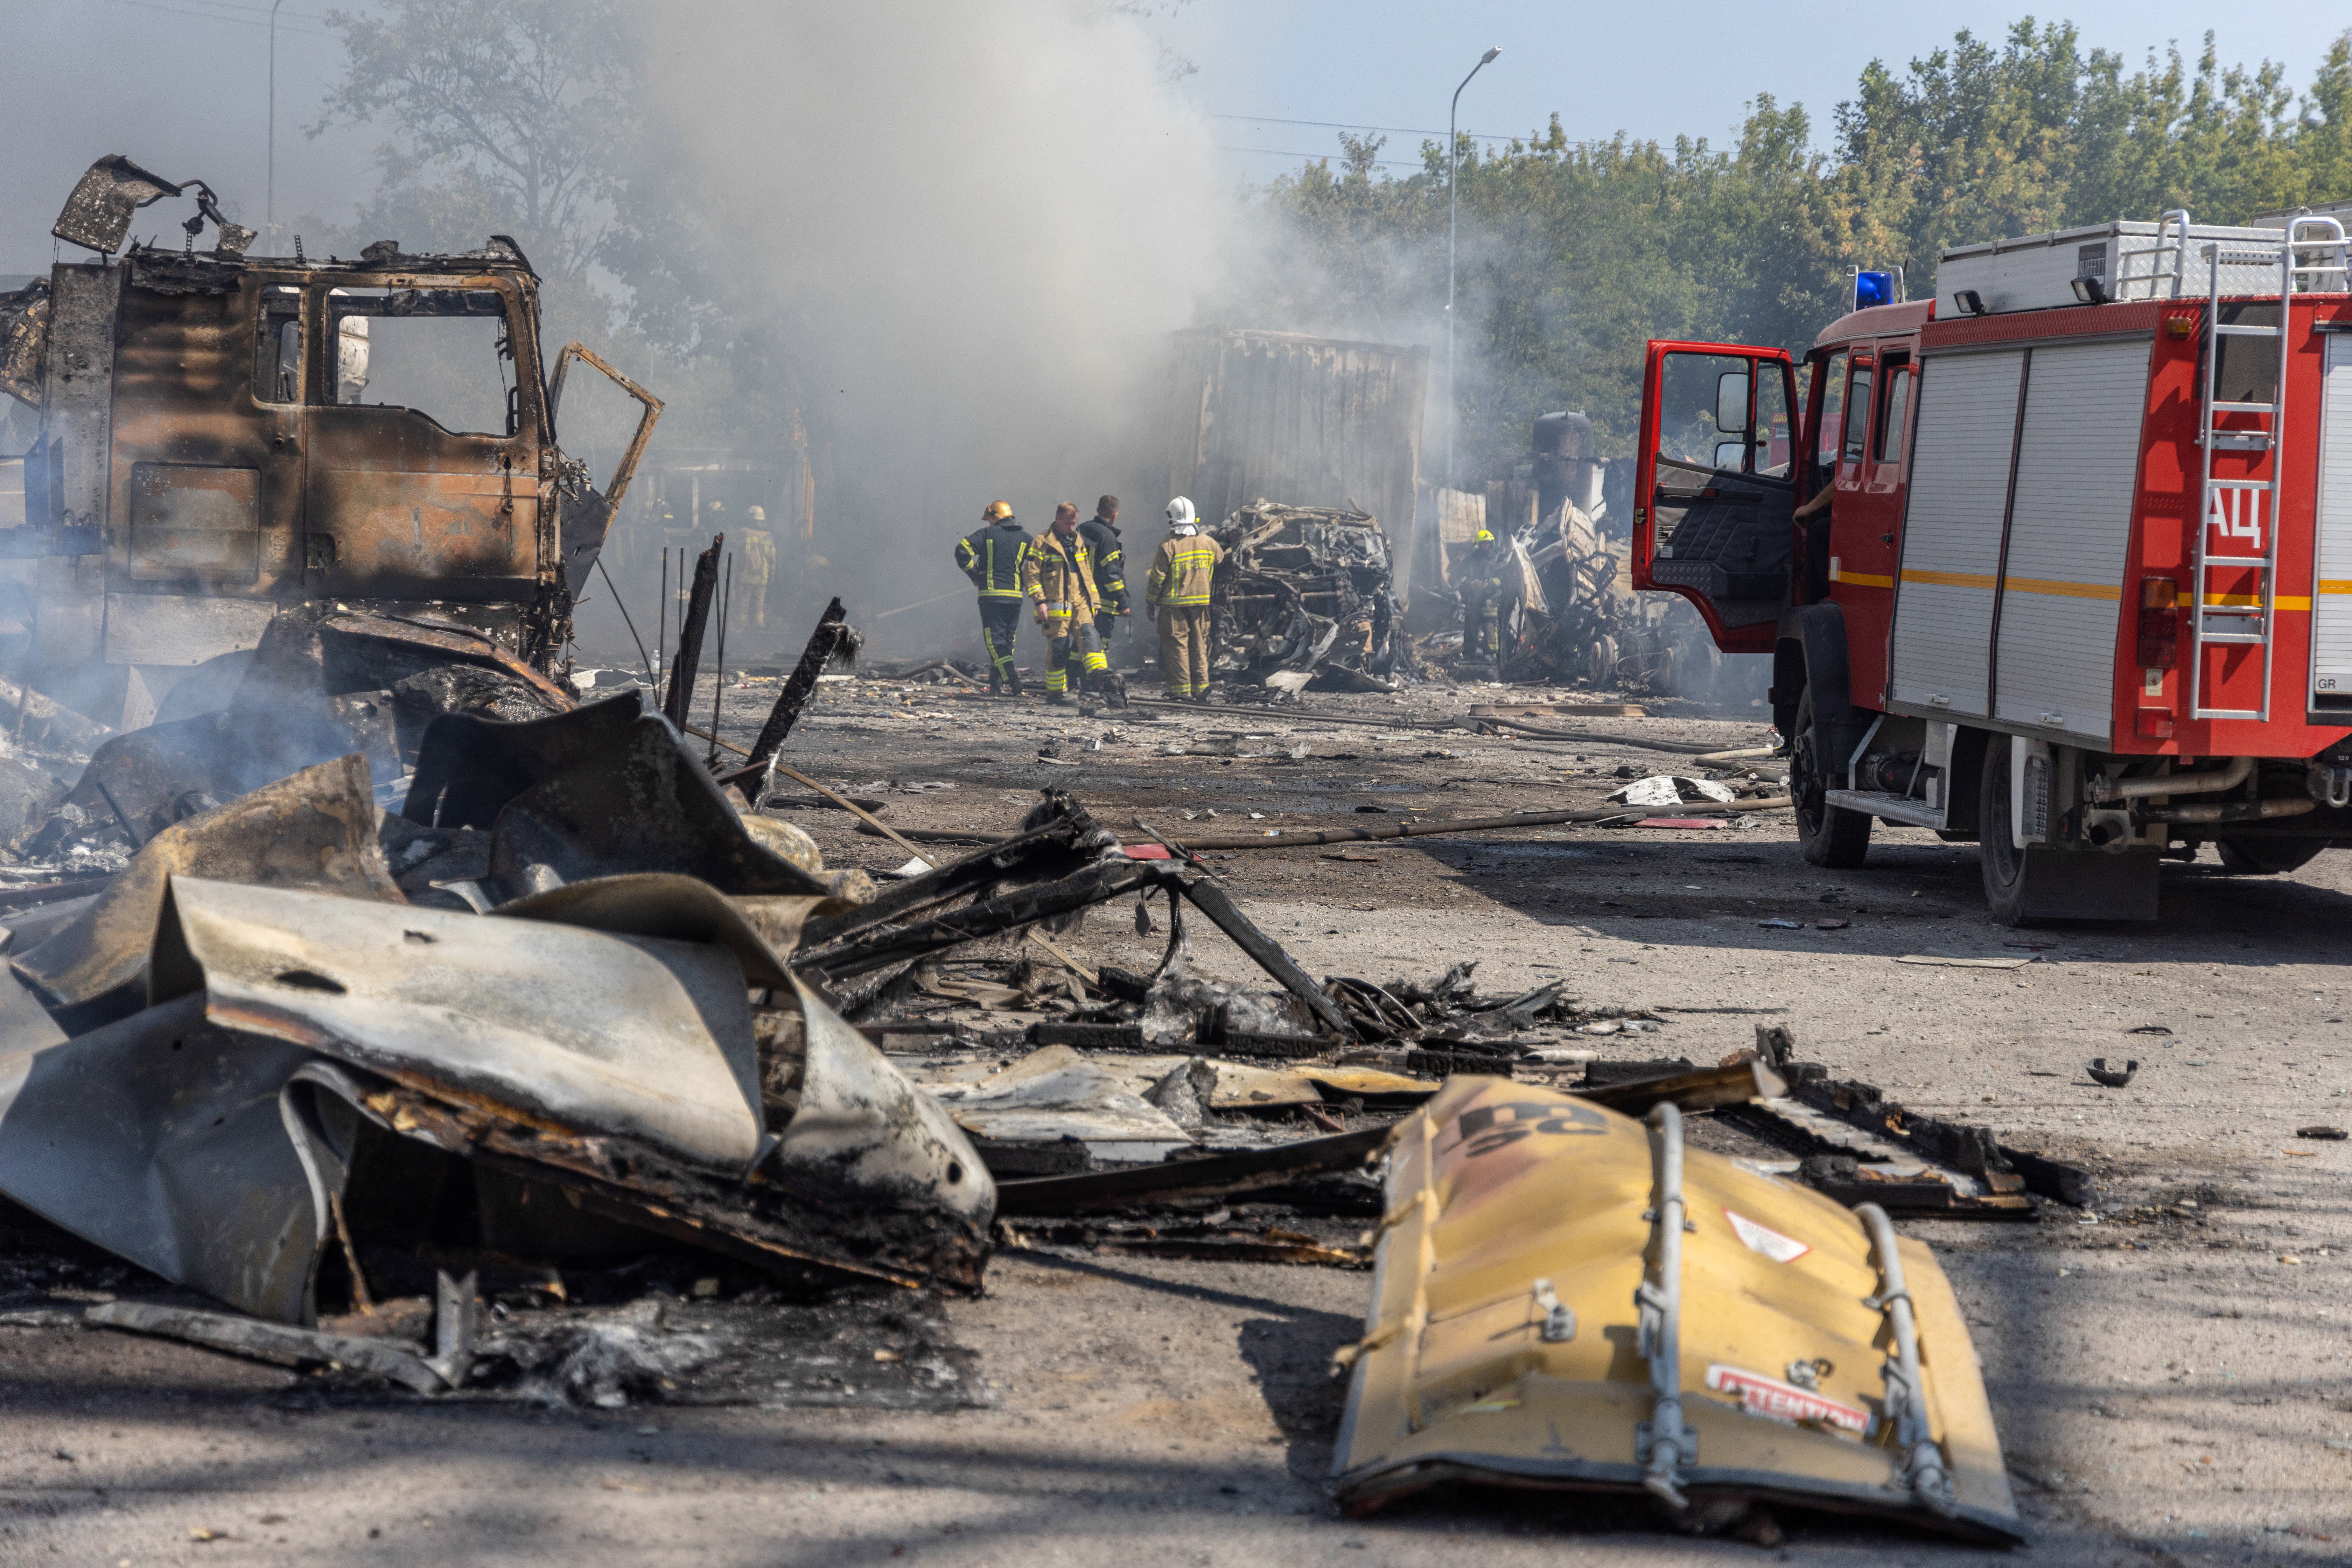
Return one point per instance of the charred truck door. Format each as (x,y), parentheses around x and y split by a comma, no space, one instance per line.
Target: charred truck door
(422,441)
(206,463)
(1713,493)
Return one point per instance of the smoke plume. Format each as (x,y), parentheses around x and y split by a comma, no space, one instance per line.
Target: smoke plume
(972,224)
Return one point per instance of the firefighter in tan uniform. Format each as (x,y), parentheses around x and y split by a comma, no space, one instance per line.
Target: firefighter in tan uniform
(759,569)
(1058,575)
(1176,594)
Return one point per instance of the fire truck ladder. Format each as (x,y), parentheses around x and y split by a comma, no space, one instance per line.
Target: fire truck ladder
(2174,224)
(2242,514)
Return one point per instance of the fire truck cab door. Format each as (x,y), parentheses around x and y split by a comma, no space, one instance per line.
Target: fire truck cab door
(1713,488)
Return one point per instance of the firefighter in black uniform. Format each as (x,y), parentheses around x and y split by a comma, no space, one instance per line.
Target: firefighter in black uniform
(1101,534)
(992,555)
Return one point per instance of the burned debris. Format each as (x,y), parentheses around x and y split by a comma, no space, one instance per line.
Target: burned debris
(1306,595)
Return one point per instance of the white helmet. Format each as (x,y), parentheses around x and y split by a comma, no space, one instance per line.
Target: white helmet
(1180,513)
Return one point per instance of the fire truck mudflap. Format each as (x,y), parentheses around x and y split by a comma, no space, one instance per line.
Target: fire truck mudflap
(2069,567)
(1565,1297)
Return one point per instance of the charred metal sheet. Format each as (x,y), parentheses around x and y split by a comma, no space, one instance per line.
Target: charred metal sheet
(1565,1299)
(833,639)
(359,651)
(679,694)
(571,1028)
(1307,587)
(1702,1088)
(587,512)
(96,216)
(669,907)
(78,407)
(1221,1175)
(23,341)
(601,791)
(314,829)
(282,1343)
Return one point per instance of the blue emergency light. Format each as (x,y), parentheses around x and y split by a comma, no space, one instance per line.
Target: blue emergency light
(1872,288)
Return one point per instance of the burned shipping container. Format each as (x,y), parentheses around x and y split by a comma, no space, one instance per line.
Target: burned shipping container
(1315,422)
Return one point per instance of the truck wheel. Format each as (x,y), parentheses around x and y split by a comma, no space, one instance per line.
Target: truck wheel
(2005,865)
(2267,856)
(1829,836)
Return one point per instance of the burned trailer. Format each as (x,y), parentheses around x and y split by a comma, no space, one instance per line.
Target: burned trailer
(223,435)
(1305,590)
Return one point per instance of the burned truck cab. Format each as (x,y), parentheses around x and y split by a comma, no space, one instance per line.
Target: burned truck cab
(224,435)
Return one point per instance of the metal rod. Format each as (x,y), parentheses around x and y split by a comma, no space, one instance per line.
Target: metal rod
(1665,1443)
(661,630)
(629,622)
(269,205)
(1453,143)
(1907,1398)
(718,661)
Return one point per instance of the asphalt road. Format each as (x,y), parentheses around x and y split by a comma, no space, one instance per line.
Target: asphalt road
(2171,1372)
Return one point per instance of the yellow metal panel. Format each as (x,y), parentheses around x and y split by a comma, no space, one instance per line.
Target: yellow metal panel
(1505,1201)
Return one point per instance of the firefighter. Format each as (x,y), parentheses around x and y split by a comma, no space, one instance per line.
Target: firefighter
(759,567)
(993,556)
(1176,594)
(1101,532)
(1058,573)
(1482,593)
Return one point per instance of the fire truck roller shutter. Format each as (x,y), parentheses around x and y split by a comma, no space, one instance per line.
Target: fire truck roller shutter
(2069,527)
(2331,607)
(1941,659)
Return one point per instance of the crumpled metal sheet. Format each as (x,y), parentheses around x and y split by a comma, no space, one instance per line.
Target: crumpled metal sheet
(676,908)
(602,791)
(167,1141)
(862,1130)
(587,1031)
(1055,1093)
(314,829)
(96,216)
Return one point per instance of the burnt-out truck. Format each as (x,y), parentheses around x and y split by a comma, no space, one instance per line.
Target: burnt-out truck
(221,435)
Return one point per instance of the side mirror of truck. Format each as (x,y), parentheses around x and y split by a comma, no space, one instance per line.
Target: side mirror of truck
(1731,454)
(1731,402)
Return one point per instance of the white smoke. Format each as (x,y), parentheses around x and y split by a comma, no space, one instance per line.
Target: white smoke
(979,220)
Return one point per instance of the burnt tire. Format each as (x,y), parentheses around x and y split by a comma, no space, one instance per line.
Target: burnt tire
(1829,836)
(2266,857)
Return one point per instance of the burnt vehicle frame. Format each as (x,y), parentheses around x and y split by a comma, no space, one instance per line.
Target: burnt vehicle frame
(202,463)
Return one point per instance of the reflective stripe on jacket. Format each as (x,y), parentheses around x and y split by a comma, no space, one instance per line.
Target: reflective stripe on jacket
(1110,561)
(1058,573)
(1182,570)
(993,557)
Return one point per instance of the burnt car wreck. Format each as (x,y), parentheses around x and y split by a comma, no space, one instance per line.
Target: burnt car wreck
(1306,595)
(221,435)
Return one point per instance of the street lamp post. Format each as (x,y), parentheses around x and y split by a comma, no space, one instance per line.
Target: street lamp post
(270,211)
(1452,159)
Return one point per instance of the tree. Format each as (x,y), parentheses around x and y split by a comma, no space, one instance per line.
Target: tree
(516,109)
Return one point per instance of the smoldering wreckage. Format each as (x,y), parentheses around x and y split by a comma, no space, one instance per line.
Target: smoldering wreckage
(398,1017)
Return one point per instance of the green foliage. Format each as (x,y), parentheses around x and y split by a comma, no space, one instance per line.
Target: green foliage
(1572,254)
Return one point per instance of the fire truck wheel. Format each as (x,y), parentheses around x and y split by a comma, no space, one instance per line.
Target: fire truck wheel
(2006,867)
(2266,857)
(1828,836)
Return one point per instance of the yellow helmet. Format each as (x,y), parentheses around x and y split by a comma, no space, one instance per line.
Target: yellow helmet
(998,510)
(1485,537)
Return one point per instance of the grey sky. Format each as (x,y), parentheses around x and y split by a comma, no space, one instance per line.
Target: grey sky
(181,87)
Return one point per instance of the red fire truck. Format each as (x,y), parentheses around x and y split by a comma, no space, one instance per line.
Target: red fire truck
(2080,588)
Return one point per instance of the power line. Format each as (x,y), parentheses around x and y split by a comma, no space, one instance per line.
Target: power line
(1400,129)
(1312,157)
(216,17)
(1346,125)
